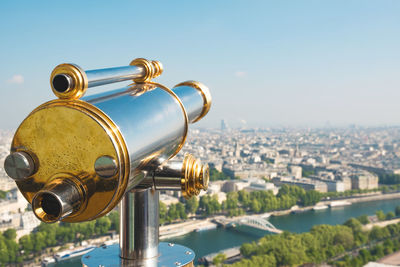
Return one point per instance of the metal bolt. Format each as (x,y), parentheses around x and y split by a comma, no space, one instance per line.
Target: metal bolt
(188,252)
(171,244)
(19,165)
(177,263)
(105,166)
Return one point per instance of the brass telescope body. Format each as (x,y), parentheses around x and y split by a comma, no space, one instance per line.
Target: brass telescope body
(74,158)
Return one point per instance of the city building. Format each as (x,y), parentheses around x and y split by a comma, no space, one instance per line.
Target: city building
(364,180)
(307,184)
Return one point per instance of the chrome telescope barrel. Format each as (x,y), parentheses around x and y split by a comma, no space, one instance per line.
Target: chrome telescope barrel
(69,81)
(113,75)
(189,92)
(140,109)
(96,148)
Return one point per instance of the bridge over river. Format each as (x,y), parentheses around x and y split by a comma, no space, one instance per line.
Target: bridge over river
(255,221)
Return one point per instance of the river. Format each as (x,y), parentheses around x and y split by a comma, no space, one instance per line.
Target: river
(210,241)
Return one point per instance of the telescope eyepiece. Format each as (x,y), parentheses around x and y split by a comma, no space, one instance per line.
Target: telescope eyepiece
(62,83)
(59,199)
(51,205)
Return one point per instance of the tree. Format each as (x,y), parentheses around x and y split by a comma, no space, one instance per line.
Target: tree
(209,204)
(26,243)
(363,219)
(114,218)
(163,211)
(4,256)
(310,198)
(292,190)
(393,229)
(232,200)
(219,259)
(364,255)
(13,249)
(192,205)
(354,224)
(390,215)
(244,197)
(378,251)
(10,234)
(247,249)
(344,238)
(388,245)
(255,206)
(217,175)
(380,215)
(102,225)
(397,211)
(180,209)
(39,241)
(257,261)
(378,233)
(386,178)
(172,213)
(306,173)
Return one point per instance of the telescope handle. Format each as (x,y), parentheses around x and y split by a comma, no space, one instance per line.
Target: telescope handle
(69,81)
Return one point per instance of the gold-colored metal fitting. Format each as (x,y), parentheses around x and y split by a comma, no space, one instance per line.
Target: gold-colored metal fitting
(75,89)
(153,69)
(195,176)
(205,92)
(60,197)
(158,68)
(147,65)
(53,135)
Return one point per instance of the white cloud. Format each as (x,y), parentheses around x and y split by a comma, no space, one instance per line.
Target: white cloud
(16,79)
(240,74)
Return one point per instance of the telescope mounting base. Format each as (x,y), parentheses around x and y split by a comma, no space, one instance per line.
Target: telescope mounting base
(169,255)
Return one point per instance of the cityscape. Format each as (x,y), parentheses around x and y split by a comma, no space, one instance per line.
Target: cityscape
(350,171)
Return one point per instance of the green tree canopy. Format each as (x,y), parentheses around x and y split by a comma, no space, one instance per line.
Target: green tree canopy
(380,215)
(10,234)
(219,259)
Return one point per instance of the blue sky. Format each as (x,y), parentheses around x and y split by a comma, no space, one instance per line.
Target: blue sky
(267,63)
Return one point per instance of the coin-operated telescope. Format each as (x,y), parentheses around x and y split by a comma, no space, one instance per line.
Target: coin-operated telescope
(76,158)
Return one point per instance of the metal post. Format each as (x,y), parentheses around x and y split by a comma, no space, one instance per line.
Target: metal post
(139,223)
(138,239)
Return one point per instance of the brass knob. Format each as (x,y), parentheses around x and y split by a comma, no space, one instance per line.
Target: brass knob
(153,69)
(195,176)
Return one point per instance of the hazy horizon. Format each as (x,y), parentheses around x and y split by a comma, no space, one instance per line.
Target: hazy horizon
(278,127)
(307,63)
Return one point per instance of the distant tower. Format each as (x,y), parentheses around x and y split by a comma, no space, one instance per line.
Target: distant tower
(224,127)
(296,151)
(237,150)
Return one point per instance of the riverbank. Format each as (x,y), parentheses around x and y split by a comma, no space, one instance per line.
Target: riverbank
(376,196)
(214,240)
(183,228)
(51,252)
(303,222)
(380,224)
(179,229)
(373,197)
